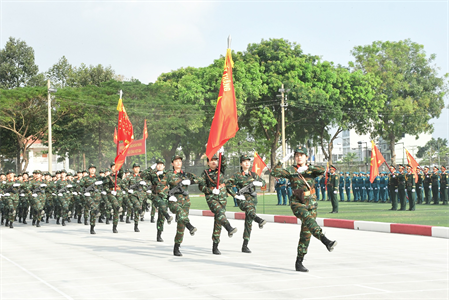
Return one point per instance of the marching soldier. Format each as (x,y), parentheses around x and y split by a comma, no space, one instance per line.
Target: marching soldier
(137,189)
(63,197)
(90,185)
(411,188)
(247,199)
(175,188)
(113,189)
(10,199)
(216,199)
(304,203)
(38,189)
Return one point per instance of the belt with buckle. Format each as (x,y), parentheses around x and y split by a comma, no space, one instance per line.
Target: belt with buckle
(308,193)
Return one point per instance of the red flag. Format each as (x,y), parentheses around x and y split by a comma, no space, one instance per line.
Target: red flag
(258,164)
(377,160)
(115,136)
(145,131)
(224,125)
(125,134)
(413,163)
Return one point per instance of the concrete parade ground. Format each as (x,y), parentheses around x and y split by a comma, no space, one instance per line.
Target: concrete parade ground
(56,262)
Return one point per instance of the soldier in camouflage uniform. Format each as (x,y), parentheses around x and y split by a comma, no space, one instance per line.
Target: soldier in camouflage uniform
(115,195)
(50,193)
(137,189)
(304,204)
(78,198)
(10,197)
(38,189)
(158,179)
(24,199)
(247,201)
(63,197)
(175,188)
(216,199)
(91,191)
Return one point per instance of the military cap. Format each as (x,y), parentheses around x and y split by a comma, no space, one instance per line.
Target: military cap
(176,157)
(301,149)
(101,171)
(85,171)
(37,172)
(127,171)
(244,157)
(347,173)
(400,166)
(136,165)
(436,167)
(58,172)
(341,172)
(62,171)
(392,167)
(331,166)
(2,173)
(23,173)
(92,166)
(79,172)
(443,167)
(48,173)
(112,164)
(408,166)
(160,161)
(426,167)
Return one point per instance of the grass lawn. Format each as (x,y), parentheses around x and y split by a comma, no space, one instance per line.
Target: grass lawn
(435,215)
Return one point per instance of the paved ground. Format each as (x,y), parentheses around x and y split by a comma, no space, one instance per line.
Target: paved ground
(55,262)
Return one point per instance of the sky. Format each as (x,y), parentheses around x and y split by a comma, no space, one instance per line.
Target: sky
(143,39)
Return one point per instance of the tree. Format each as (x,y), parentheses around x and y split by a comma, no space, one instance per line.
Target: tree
(61,72)
(409,82)
(434,148)
(17,66)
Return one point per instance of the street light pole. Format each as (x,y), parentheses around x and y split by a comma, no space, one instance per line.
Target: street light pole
(50,149)
(283,122)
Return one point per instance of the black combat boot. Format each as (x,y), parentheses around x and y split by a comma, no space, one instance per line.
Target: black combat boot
(20,219)
(121,218)
(245,248)
(24,221)
(79,219)
(57,221)
(33,223)
(10,225)
(330,245)
(92,231)
(191,228)
(298,265)
(100,219)
(127,220)
(152,219)
(136,228)
(159,238)
(63,222)
(38,223)
(6,223)
(215,249)
(46,219)
(85,221)
(107,221)
(114,229)
(176,251)
(2,221)
(260,221)
(168,218)
(231,230)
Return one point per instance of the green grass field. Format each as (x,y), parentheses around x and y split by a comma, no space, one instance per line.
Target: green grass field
(435,215)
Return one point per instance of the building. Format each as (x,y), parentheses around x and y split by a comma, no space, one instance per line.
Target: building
(38,159)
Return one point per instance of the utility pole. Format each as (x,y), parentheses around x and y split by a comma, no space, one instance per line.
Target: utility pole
(50,147)
(283,97)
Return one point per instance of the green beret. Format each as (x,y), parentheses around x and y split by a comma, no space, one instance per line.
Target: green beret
(301,149)
(244,157)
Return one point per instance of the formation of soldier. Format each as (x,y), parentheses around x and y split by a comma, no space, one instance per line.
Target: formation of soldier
(396,186)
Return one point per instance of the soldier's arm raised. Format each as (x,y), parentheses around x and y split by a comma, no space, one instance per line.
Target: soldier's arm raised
(278,171)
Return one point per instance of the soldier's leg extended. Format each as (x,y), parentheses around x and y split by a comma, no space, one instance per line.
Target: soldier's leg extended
(153,210)
(219,211)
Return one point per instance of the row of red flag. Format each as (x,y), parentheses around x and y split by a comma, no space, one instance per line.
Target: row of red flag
(377,160)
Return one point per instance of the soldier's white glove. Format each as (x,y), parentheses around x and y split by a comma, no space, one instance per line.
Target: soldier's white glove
(142,183)
(413,190)
(287,157)
(185,182)
(149,192)
(99,182)
(215,191)
(221,150)
(131,191)
(43,185)
(22,195)
(16,184)
(34,195)
(257,183)
(123,192)
(3,182)
(114,193)
(430,186)
(104,192)
(240,197)
(302,169)
(172,199)
(87,194)
(75,193)
(394,176)
(335,192)
(396,190)
(53,194)
(160,172)
(59,194)
(69,185)
(6,195)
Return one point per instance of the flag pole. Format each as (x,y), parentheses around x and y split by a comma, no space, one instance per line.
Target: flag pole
(118,142)
(145,140)
(219,169)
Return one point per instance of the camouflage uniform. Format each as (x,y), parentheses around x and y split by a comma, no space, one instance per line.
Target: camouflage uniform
(38,189)
(49,201)
(10,200)
(136,193)
(63,198)
(24,202)
(115,197)
(241,180)
(304,204)
(92,196)
(216,203)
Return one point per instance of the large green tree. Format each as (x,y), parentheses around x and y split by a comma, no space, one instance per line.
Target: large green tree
(410,84)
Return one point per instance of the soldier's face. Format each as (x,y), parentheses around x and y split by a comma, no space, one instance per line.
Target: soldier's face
(245,164)
(177,163)
(3,177)
(435,170)
(160,167)
(63,176)
(136,170)
(58,176)
(107,173)
(213,163)
(113,168)
(92,171)
(300,158)
(102,174)
(332,171)
(85,174)
(10,176)
(25,177)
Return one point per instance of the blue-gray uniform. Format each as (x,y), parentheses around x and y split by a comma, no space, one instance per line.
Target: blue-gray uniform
(348,187)
(341,186)
(369,188)
(382,188)
(355,187)
(362,186)
(376,186)
(317,187)
(387,194)
(323,187)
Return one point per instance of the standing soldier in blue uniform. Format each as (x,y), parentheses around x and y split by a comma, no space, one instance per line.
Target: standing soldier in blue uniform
(281,189)
(304,202)
(376,186)
(387,193)
(348,187)
(341,187)
(427,185)
(382,188)
(363,191)
(355,187)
